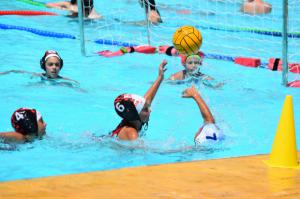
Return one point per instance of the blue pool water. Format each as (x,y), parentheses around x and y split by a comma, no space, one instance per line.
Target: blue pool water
(247,108)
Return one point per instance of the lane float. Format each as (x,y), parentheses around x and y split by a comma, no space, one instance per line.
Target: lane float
(275,64)
(37,31)
(295,84)
(248,61)
(26,12)
(34,3)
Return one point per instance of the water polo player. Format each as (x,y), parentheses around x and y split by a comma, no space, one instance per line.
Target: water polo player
(191,64)
(51,63)
(28,125)
(135,110)
(209,132)
(192,67)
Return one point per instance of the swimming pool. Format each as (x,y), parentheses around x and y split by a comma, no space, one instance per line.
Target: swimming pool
(247,108)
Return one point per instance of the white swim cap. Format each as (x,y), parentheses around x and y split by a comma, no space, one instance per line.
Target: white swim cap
(208,132)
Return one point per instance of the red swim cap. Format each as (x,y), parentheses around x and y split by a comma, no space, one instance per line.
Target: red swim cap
(47,55)
(24,120)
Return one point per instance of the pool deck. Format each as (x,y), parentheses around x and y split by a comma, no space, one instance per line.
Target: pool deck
(240,178)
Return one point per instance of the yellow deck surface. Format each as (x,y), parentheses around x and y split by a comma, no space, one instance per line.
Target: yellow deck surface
(240,178)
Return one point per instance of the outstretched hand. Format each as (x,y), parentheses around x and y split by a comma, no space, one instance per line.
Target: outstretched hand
(190,92)
(162,68)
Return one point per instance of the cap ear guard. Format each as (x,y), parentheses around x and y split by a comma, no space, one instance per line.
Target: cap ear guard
(43,61)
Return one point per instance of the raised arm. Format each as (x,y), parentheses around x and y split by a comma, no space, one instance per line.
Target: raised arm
(153,89)
(205,112)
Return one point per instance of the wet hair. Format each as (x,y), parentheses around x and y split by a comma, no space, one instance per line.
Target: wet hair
(24,121)
(48,54)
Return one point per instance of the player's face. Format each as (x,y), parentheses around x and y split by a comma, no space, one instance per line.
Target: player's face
(52,67)
(192,64)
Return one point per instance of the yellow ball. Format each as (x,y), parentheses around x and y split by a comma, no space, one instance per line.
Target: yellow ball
(187,40)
